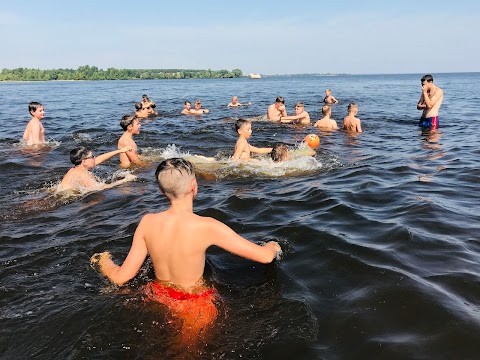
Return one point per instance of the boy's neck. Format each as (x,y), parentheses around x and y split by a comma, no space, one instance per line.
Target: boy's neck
(184,204)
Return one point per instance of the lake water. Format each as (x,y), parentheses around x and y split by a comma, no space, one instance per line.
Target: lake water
(380,231)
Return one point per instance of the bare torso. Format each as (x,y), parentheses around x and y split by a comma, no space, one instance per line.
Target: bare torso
(326,123)
(351,123)
(125,141)
(34,132)
(433,111)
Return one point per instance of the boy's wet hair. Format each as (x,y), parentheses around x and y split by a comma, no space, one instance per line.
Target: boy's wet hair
(299,104)
(326,109)
(33,106)
(279,152)
(78,154)
(280,99)
(187,102)
(138,106)
(427,78)
(127,120)
(351,107)
(174,175)
(240,123)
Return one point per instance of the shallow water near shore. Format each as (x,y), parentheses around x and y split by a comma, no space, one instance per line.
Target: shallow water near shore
(379,231)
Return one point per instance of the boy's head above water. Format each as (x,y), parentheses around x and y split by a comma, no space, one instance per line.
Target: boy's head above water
(279,152)
(176,178)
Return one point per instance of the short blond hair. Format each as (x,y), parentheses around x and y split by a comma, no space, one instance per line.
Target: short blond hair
(174,177)
(351,107)
(326,109)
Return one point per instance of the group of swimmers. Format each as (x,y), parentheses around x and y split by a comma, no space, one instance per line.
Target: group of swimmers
(177,239)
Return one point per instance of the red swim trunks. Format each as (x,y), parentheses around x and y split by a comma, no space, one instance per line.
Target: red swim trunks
(196,311)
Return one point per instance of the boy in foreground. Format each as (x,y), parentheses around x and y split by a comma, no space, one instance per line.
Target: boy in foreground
(80,176)
(351,123)
(242,147)
(177,240)
(326,123)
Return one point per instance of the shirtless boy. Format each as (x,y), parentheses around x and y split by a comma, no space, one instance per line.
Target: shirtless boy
(131,126)
(301,117)
(351,123)
(149,106)
(34,132)
(177,241)
(235,102)
(187,108)
(326,123)
(242,147)
(80,176)
(198,109)
(141,111)
(430,102)
(329,99)
(277,110)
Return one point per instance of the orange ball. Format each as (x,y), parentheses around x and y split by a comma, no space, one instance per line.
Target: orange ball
(312,140)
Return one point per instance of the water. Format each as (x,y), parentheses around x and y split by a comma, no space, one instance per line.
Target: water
(379,231)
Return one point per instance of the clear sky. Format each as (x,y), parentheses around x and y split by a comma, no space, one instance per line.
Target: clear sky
(280,37)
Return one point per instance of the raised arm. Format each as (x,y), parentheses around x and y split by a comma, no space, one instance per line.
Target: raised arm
(224,237)
(120,275)
(103,157)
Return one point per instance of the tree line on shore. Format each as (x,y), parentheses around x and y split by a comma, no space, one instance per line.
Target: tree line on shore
(87,72)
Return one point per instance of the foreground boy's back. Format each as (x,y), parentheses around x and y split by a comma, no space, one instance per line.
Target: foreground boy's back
(177,240)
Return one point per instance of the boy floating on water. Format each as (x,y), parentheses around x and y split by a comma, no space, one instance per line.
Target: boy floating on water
(242,147)
(351,123)
(177,240)
(34,132)
(80,176)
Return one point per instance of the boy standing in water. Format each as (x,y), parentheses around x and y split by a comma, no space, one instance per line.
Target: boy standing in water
(34,132)
(242,147)
(131,126)
(351,123)
(81,177)
(430,102)
(177,240)
(326,123)
(301,117)
(329,98)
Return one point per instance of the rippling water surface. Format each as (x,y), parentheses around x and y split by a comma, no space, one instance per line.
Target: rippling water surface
(380,231)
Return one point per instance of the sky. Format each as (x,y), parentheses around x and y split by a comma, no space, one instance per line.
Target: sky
(266,37)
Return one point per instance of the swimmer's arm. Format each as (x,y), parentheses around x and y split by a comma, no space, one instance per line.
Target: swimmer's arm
(120,275)
(430,102)
(103,157)
(359,127)
(260,150)
(129,177)
(335,101)
(421,103)
(135,158)
(288,119)
(224,237)
(335,127)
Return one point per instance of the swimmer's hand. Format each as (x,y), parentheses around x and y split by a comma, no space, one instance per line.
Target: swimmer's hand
(125,149)
(100,259)
(275,247)
(129,177)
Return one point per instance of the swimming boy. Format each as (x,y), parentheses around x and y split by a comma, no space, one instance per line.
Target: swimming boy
(80,176)
(177,241)
(430,102)
(198,109)
(280,153)
(242,147)
(149,105)
(187,108)
(301,117)
(351,123)
(329,99)
(326,123)
(277,110)
(141,111)
(131,126)
(34,132)
(235,102)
